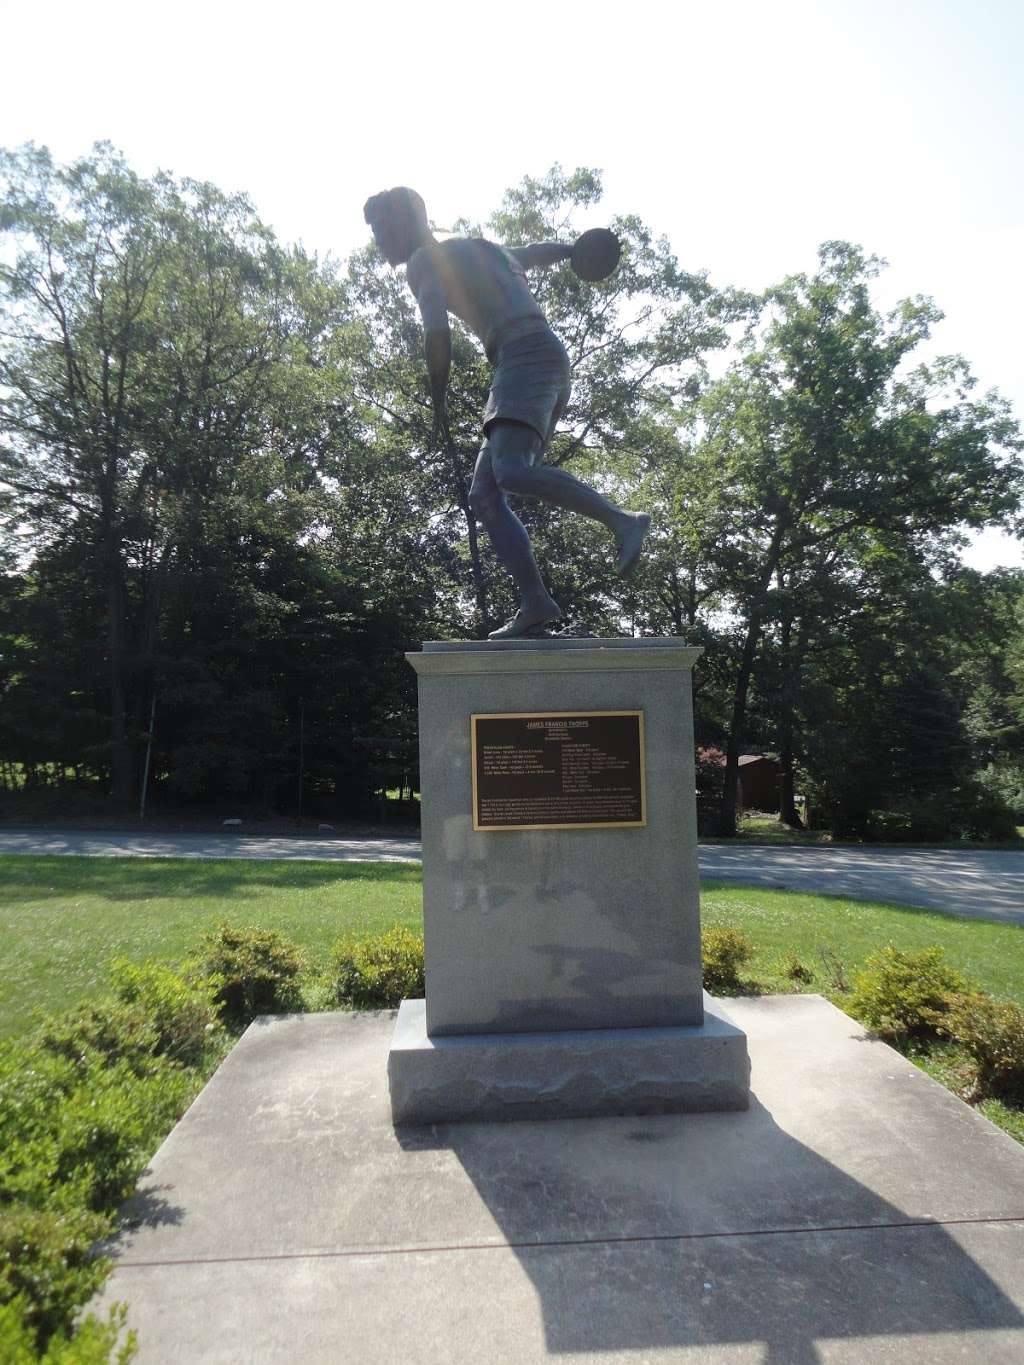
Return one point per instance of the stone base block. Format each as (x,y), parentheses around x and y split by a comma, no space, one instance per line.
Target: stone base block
(572,1074)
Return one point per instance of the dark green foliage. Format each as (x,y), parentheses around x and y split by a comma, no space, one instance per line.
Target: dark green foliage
(254,971)
(906,996)
(94,1342)
(77,1133)
(1004,783)
(46,1260)
(83,1105)
(991,1032)
(180,433)
(380,971)
(724,950)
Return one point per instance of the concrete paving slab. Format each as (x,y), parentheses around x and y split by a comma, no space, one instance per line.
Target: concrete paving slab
(857,1212)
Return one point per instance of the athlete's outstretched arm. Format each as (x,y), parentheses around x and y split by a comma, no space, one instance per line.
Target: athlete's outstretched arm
(437,344)
(540,255)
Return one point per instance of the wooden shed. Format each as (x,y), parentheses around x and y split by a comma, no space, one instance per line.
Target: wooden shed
(759,783)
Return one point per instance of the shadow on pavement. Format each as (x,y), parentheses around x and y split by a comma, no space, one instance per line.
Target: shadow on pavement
(636,1235)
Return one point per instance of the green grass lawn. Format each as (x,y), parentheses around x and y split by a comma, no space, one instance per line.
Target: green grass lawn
(63,919)
(778,922)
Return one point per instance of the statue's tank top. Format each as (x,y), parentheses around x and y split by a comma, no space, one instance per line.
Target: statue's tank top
(484,285)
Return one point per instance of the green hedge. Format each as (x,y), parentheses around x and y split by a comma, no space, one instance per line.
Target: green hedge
(378,972)
(84,1102)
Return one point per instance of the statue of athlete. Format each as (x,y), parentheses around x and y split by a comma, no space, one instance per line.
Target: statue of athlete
(485,286)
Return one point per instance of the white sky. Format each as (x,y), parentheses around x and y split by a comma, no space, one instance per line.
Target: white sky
(746,131)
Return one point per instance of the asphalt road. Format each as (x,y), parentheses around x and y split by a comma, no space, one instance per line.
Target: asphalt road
(107,844)
(982,883)
(988,885)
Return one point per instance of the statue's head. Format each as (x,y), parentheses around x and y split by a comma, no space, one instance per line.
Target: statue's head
(398,218)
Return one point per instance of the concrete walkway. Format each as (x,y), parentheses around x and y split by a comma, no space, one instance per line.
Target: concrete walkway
(857,1213)
(986,884)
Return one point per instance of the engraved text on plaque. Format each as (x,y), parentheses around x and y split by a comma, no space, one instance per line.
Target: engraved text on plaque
(558,770)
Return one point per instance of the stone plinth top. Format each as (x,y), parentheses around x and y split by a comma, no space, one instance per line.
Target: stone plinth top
(582,654)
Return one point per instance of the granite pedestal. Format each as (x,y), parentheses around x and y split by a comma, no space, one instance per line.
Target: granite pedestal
(585,941)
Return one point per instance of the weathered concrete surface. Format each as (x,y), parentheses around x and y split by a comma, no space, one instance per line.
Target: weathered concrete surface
(857,1213)
(550,929)
(570,1074)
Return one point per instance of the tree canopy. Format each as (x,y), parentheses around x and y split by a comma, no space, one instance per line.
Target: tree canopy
(222,511)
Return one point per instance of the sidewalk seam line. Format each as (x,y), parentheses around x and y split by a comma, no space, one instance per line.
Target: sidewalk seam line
(565,1243)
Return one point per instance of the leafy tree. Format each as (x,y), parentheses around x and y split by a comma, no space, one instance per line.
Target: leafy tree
(828,449)
(158,366)
(218,489)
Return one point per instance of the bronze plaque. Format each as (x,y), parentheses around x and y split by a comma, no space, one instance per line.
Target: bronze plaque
(558,770)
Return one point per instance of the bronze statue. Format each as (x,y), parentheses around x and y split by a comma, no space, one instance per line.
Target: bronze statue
(485,286)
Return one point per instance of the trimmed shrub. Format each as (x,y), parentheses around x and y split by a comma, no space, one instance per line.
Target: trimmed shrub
(94,1342)
(78,1122)
(254,971)
(991,1032)
(76,1134)
(182,1013)
(724,950)
(378,972)
(906,996)
(153,1013)
(46,1265)
(105,1030)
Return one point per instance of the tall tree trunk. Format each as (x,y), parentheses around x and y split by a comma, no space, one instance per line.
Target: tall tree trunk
(122,774)
(790,676)
(727,810)
(788,813)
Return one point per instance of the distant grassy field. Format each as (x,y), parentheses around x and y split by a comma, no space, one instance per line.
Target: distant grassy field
(63,919)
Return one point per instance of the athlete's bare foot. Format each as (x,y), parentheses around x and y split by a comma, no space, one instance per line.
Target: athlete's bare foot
(534,612)
(630,540)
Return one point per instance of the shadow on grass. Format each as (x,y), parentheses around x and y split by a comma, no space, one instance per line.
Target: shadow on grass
(30,878)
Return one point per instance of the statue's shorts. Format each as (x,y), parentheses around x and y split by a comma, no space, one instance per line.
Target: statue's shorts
(531,378)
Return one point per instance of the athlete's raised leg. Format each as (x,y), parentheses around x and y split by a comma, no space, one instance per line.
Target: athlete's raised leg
(513,451)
